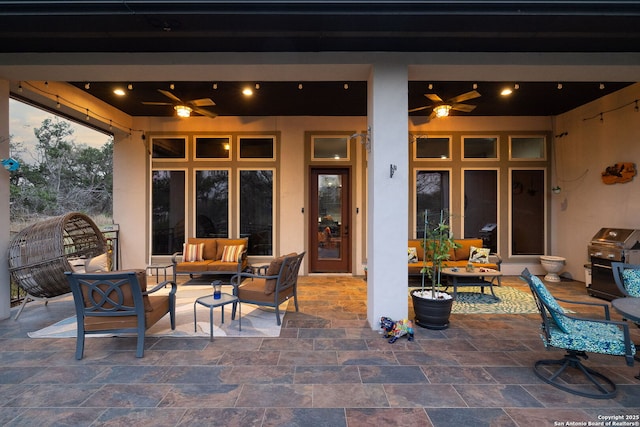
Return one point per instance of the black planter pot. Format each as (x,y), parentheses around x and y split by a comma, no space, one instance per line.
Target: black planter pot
(432,314)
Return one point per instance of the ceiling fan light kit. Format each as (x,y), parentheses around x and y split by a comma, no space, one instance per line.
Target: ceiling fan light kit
(183,110)
(442,110)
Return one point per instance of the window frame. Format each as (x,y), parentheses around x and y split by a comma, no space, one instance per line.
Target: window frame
(347,140)
(528,159)
(274,206)
(415,139)
(545,208)
(274,147)
(479,159)
(229,157)
(194,218)
(414,194)
(185,201)
(185,138)
(498,198)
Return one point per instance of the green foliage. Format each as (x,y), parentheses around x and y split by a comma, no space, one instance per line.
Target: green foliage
(62,175)
(437,243)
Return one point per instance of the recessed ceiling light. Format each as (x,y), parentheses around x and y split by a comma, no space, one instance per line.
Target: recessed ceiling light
(119,91)
(247,91)
(300,86)
(506,92)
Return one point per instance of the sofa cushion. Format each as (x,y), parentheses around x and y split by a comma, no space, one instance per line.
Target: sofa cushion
(412,255)
(463,252)
(192,252)
(416,243)
(192,267)
(479,255)
(227,267)
(232,253)
(221,243)
(209,251)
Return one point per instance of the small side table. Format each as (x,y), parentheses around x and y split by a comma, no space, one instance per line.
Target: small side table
(209,301)
(157,268)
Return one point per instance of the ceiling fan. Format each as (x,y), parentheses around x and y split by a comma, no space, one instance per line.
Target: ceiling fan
(441,108)
(184,108)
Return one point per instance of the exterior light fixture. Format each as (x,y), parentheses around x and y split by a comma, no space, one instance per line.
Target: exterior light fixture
(87,86)
(300,86)
(442,110)
(516,86)
(559,86)
(172,86)
(506,92)
(119,91)
(247,91)
(182,111)
(215,86)
(257,86)
(130,86)
(430,86)
(475,86)
(346,86)
(601,86)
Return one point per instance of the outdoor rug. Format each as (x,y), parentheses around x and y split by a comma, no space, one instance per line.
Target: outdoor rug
(256,321)
(510,300)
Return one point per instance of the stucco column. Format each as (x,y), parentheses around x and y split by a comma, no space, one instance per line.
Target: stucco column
(387,193)
(5,294)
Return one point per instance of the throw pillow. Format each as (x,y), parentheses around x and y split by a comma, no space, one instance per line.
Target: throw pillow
(192,252)
(413,255)
(631,279)
(479,255)
(96,264)
(232,253)
(274,270)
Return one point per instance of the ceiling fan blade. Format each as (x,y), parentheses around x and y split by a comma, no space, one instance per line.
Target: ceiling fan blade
(170,95)
(413,110)
(203,102)
(204,112)
(156,103)
(464,97)
(434,97)
(432,115)
(467,108)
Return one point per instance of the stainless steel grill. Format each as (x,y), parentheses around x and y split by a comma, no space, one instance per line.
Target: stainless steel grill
(607,246)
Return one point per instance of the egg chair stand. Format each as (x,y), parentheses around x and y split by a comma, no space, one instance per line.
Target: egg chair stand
(39,255)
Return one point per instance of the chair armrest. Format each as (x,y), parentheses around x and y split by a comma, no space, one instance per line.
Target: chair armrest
(174,257)
(605,307)
(159,286)
(236,279)
(495,259)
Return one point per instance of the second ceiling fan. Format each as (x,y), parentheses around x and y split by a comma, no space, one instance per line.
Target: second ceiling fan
(441,108)
(184,108)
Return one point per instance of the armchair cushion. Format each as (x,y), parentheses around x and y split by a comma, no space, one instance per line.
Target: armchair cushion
(97,264)
(273,270)
(631,277)
(555,309)
(141,275)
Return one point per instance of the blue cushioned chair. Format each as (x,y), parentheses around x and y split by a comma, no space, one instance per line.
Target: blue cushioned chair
(578,336)
(627,277)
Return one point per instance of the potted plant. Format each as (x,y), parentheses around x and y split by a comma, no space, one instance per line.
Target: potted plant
(432,306)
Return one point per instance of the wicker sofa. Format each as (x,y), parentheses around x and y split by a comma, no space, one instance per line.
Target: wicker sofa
(211,261)
(458,257)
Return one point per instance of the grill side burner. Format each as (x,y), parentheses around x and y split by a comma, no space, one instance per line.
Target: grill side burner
(607,246)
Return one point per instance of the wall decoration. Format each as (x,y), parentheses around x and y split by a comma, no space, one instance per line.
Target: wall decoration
(619,173)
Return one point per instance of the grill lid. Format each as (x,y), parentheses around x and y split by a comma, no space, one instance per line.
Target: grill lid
(623,238)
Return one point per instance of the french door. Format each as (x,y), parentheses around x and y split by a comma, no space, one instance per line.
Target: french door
(329,221)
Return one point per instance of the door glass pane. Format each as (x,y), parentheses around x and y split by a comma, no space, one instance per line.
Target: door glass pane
(527,212)
(330,216)
(481,206)
(212,203)
(256,210)
(167,198)
(432,194)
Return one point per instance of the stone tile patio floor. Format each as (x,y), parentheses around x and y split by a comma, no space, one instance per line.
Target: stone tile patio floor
(327,368)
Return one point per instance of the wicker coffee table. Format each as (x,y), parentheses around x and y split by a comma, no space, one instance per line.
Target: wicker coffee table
(458,277)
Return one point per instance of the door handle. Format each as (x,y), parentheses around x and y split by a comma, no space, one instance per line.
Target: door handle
(346,230)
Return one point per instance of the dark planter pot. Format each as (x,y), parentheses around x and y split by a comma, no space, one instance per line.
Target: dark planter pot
(432,314)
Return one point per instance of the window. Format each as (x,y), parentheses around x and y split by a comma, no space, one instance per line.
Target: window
(256,193)
(475,147)
(527,147)
(336,148)
(430,147)
(213,148)
(432,194)
(480,206)
(256,148)
(212,203)
(169,148)
(167,207)
(527,211)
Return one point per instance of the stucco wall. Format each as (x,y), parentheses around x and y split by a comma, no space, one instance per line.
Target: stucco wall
(585,204)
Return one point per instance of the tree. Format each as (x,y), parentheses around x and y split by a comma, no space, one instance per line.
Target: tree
(64,176)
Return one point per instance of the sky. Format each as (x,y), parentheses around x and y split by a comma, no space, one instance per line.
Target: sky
(24,118)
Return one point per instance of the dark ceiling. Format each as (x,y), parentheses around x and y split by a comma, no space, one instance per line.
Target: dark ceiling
(102,26)
(332,99)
